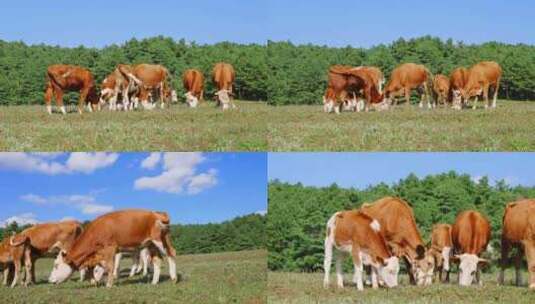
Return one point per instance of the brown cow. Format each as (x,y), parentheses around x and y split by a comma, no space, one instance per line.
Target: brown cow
(152,79)
(118,83)
(441,87)
(481,77)
(458,79)
(11,255)
(111,233)
(470,235)
(406,77)
(519,231)
(356,233)
(441,245)
(399,228)
(193,82)
(223,76)
(62,77)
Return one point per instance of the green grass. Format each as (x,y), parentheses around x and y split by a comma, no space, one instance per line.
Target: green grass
(306,128)
(233,277)
(284,287)
(30,128)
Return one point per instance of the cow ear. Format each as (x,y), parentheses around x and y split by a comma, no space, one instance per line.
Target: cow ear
(63,253)
(420,252)
(482,262)
(455,258)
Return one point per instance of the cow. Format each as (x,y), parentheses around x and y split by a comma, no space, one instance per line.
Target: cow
(441,87)
(193,81)
(481,77)
(519,231)
(406,77)
(111,233)
(345,81)
(140,259)
(441,249)
(116,84)
(355,233)
(399,228)
(470,235)
(42,239)
(223,76)
(61,78)
(152,80)
(458,78)
(11,259)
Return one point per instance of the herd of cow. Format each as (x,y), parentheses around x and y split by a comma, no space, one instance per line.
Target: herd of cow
(379,234)
(130,85)
(95,250)
(361,88)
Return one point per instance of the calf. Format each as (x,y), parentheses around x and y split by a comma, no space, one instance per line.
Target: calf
(193,82)
(519,231)
(11,258)
(441,245)
(481,77)
(223,76)
(118,83)
(152,80)
(470,236)
(359,235)
(406,77)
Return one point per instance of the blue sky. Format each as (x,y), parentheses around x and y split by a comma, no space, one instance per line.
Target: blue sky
(362,169)
(333,22)
(191,187)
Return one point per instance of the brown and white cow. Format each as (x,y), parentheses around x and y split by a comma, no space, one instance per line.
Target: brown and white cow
(11,258)
(61,78)
(399,228)
(353,232)
(42,239)
(406,77)
(441,87)
(458,79)
(481,77)
(470,235)
(111,233)
(519,231)
(193,82)
(152,80)
(116,84)
(441,246)
(223,76)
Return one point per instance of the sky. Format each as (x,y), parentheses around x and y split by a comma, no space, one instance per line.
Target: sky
(334,22)
(191,187)
(360,170)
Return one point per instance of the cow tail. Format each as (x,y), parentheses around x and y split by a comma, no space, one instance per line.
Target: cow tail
(17,240)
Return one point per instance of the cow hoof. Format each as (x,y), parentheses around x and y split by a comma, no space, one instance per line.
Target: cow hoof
(532,286)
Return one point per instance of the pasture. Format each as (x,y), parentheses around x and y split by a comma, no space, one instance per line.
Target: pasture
(30,128)
(287,287)
(232,277)
(405,128)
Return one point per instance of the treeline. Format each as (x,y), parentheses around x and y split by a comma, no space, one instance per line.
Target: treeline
(23,67)
(299,71)
(297,215)
(241,233)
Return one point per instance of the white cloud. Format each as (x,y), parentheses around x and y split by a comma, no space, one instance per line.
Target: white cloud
(179,174)
(49,163)
(67,218)
(151,161)
(86,204)
(21,219)
(261,212)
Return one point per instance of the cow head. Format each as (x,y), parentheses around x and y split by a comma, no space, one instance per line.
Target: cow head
(424,269)
(389,270)
(106,95)
(62,270)
(457,99)
(145,97)
(191,100)
(471,91)
(223,98)
(468,267)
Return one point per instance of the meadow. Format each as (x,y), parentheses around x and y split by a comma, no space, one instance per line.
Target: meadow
(288,287)
(231,277)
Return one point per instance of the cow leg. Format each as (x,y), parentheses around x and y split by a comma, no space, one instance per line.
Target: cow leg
(59,99)
(49,91)
(506,247)
(486,96)
(518,266)
(116,264)
(109,264)
(28,265)
(339,270)
(529,249)
(407,96)
(495,97)
(156,264)
(375,285)
(82,274)
(475,102)
(18,267)
(357,264)
(81,101)
(327,260)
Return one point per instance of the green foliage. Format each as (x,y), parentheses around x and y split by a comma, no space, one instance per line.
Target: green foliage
(297,215)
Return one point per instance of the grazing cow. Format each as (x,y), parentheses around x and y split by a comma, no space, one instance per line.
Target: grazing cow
(406,77)
(223,76)
(470,235)
(399,228)
(61,78)
(441,246)
(441,87)
(118,83)
(193,81)
(481,77)
(359,235)
(458,79)
(152,80)
(519,231)
(140,261)
(114,232)
(11,258)
(42,239)
(344,81)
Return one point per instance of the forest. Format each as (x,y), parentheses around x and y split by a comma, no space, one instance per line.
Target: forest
(297,214)
(279,72)
(241,233)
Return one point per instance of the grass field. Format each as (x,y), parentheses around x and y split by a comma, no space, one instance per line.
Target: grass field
(234,277)
(303,288)
(30,128)
(306,128)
